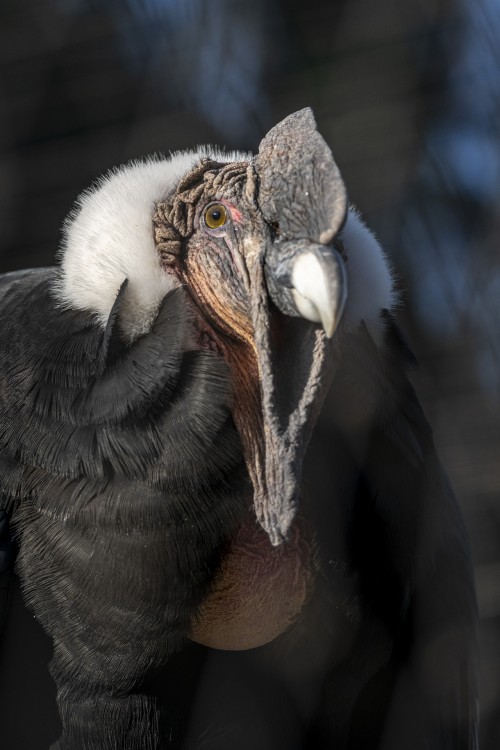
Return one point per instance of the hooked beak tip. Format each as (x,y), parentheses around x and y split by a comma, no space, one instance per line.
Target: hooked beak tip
(319,286)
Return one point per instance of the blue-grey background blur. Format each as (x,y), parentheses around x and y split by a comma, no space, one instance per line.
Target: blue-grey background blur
(408,96)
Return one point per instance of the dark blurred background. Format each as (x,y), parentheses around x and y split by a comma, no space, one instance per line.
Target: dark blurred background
(408,96)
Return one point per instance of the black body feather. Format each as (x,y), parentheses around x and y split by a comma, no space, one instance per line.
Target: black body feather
(123,478)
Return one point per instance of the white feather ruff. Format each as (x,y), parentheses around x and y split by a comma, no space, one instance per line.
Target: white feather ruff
(109,237)
(370,283)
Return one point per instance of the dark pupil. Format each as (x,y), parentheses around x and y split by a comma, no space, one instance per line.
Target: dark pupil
(216,214)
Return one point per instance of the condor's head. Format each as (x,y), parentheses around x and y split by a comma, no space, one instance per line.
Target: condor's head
(268,267)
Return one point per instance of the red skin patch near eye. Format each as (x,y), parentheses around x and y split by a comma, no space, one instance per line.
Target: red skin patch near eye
(236,214)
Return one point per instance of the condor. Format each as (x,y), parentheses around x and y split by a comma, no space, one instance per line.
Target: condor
(230,526)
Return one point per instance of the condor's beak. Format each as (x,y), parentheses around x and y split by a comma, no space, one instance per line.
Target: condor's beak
(307,280)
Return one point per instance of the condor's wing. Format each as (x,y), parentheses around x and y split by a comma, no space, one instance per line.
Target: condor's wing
(122,476)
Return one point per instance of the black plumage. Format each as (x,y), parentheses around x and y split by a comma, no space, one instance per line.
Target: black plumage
(124,478)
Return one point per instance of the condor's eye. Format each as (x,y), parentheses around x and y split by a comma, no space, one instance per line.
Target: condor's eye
(215,216)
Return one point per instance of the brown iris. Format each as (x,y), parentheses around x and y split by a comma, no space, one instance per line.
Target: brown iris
(215,216)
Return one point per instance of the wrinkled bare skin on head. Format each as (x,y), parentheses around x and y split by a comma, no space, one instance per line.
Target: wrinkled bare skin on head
(290,191)
(212,267)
